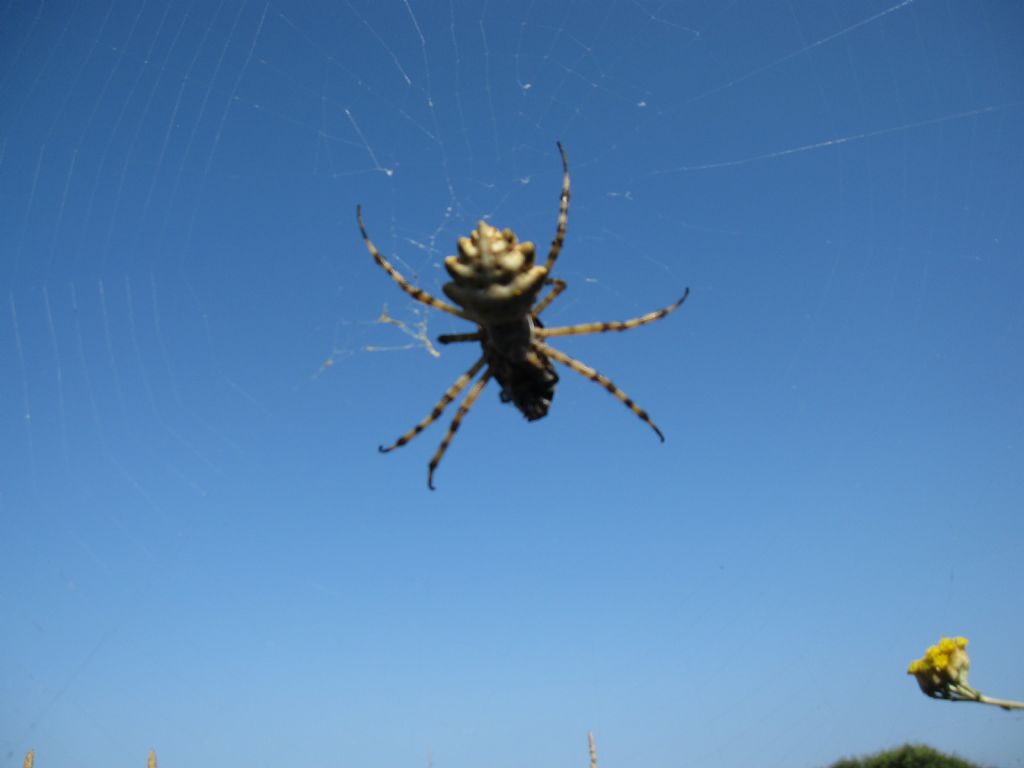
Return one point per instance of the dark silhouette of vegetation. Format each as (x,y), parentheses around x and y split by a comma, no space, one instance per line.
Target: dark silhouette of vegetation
(907,756)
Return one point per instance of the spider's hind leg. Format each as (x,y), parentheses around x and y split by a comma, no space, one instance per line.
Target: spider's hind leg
(557,286)
(563,212)
(589,373)
(623,325)
(417,293)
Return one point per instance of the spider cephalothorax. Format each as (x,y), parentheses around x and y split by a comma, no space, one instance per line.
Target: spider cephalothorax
(526,375)
(496,284)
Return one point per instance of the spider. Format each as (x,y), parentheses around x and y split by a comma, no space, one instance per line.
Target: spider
(496,285)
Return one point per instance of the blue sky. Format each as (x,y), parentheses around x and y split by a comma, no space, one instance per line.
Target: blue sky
(204,552)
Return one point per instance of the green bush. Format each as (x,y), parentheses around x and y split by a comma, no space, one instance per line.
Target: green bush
(907,756)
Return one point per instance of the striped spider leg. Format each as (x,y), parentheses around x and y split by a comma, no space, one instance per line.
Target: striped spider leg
(604,327)
(453,392)
(623,325)
(417,293)
(455,389)
(471,397)
(563,213)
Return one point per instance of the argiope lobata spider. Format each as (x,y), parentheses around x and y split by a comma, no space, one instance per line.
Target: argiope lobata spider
(496,284)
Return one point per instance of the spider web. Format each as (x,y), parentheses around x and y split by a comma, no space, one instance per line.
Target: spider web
(199,356)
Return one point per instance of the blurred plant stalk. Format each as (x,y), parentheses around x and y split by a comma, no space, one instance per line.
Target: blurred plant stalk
(30,759)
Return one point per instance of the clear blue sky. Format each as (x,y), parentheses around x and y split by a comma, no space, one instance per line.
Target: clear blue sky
(203,551)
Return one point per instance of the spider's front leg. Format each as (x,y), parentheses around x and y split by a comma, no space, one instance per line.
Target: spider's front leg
(471,397)
(589,373)
(452,392)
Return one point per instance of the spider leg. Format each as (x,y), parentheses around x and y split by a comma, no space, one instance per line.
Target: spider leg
(453,338)
(471,397)
(587,372)
(451,394)
(563,212)
(557,286)
(417,293)
(624,325)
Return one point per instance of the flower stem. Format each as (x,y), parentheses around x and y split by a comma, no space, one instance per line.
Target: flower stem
(1002,703)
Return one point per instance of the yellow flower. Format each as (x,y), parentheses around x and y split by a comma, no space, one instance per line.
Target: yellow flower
(942,674)
(942,671)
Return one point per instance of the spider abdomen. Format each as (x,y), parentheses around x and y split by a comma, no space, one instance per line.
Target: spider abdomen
(494,277)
